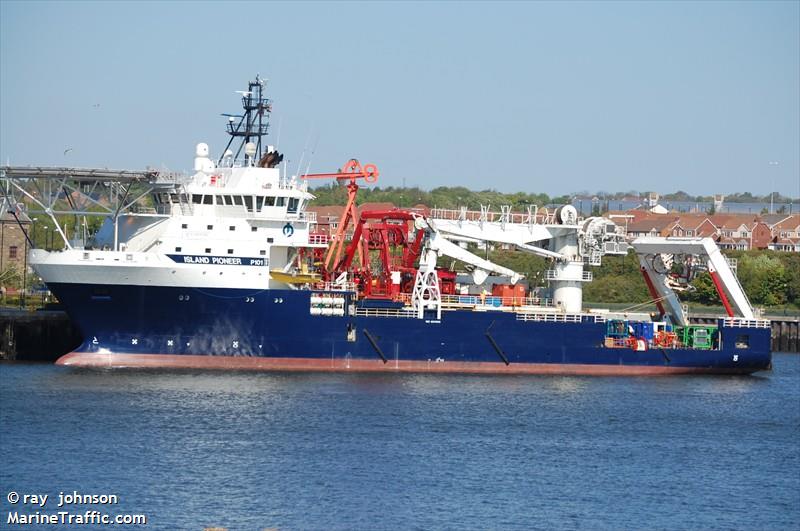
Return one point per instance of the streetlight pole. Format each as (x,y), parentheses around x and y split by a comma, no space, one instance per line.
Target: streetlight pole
(772,190)
(24,280)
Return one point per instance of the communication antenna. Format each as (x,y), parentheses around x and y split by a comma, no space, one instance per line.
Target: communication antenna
(313,151)
(305,148)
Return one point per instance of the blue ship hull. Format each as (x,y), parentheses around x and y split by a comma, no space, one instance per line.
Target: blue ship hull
(274,329)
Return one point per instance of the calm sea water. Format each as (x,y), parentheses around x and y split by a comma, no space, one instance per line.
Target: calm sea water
(328,451)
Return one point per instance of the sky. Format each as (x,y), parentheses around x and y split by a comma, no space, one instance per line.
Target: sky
(522,96)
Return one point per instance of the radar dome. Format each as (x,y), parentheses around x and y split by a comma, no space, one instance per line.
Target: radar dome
(201,150)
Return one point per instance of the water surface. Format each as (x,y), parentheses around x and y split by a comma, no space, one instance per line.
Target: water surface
(367,451)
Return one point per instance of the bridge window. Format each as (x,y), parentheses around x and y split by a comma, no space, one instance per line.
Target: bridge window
(228,199)
(280,201)
(259,203)
(208,200)
(248,201)
(293,203)
(237,200)
(269,200)
(197,199)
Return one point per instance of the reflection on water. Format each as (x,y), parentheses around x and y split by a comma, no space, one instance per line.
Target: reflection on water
(385,451)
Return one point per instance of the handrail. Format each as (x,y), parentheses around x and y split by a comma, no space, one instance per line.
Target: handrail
(505,216)
(489,301)
(551,317)
(386,312)
(746,323)
(334,286)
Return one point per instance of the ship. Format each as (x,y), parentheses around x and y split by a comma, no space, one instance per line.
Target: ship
(226,268)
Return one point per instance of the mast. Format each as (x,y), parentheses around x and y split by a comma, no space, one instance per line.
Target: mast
(253,124)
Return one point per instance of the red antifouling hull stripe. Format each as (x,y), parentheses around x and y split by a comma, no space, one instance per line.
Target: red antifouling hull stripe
(244,363)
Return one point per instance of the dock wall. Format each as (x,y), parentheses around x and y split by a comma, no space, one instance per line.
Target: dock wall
(36,336)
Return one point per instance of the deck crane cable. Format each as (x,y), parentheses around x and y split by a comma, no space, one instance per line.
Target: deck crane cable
(652,301)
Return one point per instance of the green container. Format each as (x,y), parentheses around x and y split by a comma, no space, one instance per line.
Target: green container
(695,336)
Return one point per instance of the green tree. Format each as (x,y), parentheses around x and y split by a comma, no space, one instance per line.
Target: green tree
(703,291)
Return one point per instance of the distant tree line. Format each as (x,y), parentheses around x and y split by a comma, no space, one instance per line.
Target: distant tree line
(442,197)
(455,196)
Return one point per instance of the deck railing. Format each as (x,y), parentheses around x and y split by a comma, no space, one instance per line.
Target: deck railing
(550,317)
(746,323)
(334,286)
(386,312)
(486,301)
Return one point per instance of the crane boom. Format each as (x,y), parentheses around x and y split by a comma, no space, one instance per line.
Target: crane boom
(724,279)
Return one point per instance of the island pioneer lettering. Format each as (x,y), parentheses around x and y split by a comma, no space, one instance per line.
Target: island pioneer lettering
(219,260)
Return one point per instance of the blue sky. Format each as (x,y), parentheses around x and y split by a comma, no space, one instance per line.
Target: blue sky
(535,97)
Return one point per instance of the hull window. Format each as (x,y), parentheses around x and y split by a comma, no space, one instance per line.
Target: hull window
(743,341)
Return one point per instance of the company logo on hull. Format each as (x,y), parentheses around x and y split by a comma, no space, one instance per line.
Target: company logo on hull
(219,260)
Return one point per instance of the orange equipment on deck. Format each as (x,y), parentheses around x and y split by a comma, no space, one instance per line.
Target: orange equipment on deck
(351,171)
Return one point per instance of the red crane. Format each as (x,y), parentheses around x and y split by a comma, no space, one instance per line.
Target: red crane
(385,231)
(351,171)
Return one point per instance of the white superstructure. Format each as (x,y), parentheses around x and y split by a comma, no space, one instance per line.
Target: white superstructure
(232,214)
